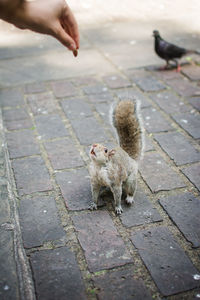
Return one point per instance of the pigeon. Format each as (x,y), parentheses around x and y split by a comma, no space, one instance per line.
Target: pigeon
(169,51)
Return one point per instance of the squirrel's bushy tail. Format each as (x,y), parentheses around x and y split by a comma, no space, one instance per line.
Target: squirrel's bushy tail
(126,120)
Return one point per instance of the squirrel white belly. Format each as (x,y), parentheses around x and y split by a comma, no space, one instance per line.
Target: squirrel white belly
(117,168)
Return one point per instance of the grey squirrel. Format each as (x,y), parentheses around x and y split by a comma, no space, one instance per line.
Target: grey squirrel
(117,168)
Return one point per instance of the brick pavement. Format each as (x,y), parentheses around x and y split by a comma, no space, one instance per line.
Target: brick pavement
(152,250)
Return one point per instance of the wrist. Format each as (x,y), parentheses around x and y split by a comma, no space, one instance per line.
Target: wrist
(8,9)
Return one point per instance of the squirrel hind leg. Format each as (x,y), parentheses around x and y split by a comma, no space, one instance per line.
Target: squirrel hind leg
(129,199)
(130,189)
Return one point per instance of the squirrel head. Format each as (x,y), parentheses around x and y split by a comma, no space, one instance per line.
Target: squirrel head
(100,154)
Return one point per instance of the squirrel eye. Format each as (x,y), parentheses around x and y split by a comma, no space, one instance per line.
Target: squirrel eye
(106,150)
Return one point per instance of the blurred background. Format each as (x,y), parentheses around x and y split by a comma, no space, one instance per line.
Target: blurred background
(115,34)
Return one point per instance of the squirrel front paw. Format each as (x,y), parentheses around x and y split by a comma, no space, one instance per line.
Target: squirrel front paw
(118,210)
(129,200)
(93,206)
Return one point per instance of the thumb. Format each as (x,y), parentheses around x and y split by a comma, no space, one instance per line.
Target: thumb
(65,39)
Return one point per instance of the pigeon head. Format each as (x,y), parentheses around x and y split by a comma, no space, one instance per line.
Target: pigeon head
(156,33)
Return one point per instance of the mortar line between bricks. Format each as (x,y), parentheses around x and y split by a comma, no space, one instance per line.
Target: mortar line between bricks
(176,169)
(129,247)
(120,227)
(171,225)
(26,286)
(61,205)
(137,261)
(182,99)
(174,224)
(179,129)
(73,134)
(72,131)
(147,94)
(131,250)
(183,76)
(167,116)
(172,163)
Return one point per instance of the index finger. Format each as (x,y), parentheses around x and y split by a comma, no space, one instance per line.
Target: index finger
(71,25)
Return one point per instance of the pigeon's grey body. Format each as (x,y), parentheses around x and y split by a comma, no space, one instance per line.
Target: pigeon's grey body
(168,51)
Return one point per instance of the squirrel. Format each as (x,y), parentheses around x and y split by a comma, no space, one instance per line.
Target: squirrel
(117,168)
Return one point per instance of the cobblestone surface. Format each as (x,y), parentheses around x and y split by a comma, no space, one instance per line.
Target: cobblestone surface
(179,208)
(103,247)
(152,251)
(57,275)
(130,288)
(42,224)
(168,264)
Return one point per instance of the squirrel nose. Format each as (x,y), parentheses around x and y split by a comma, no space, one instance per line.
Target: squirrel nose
(94,145)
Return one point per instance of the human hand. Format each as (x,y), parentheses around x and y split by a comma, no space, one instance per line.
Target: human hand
(52,17)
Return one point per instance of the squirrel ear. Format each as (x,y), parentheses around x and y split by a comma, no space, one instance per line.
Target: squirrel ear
(111,152)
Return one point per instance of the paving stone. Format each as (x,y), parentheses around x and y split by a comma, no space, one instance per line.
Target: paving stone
(76,108)
(178,147)
(75,188)
(103,109)
(115,81)
(190,122)
(193,174)
(102,245)
(133,94)
(158,175)
(95,89)
(16,119)
(141,212)
(14,114)
(57,275)
(195,102)
(36,87)
(137,73)
(148,83)
(31,175)
(4,204)
(11,97)
(20,124)
(166,74)
(50,126)
(169,102)
(42,103)
(154,121)
(22,143)
(148,145)
(39,221)
(184,210)
(192,72)
(89,131)
(63,154)
(8,274)
(170,267)
(2,159)
(183,87)
(103,97)
(120,285)
(80,81)
(63,89)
